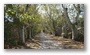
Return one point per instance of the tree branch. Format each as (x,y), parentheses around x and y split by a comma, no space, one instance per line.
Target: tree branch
(66,15)
(78,9)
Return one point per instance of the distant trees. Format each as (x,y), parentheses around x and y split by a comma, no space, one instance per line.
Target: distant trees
(52,17)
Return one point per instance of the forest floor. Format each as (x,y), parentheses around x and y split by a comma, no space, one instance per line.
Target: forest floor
(47,41)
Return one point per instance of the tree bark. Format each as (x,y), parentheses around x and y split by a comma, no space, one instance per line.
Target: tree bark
(74,32)
(20,35)
(64,31)
(30,34)
(23,35)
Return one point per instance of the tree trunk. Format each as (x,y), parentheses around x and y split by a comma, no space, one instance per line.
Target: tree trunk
(20,35)
(64,32)
(30,34)
(74,29)
(74,32)
(23,35)
(54,30)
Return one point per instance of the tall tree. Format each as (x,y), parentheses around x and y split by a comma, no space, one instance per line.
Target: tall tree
(72,24)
